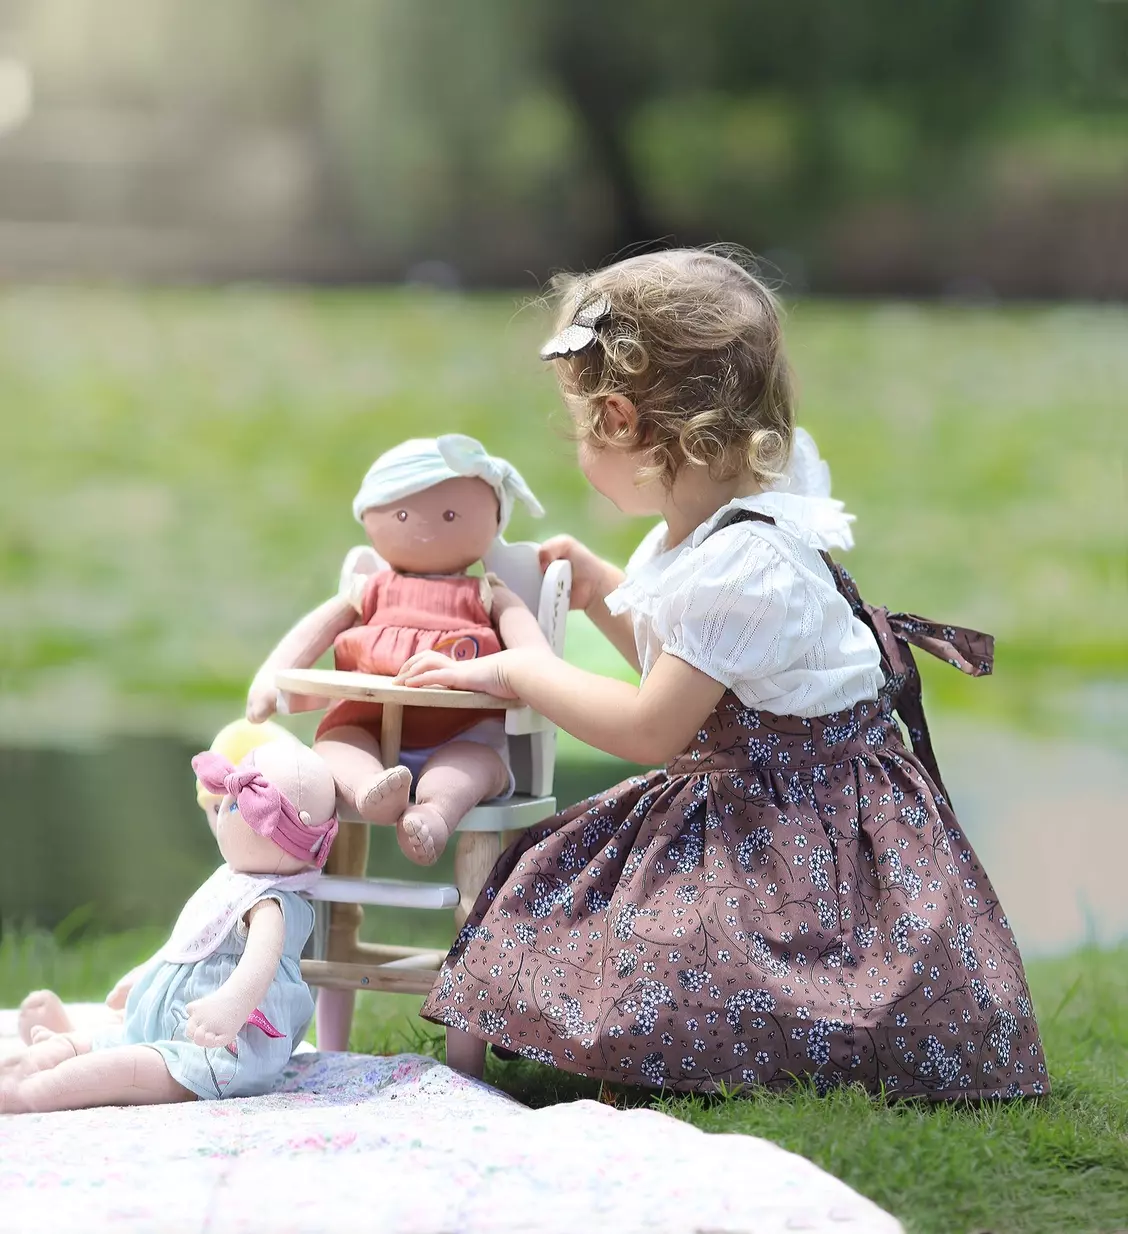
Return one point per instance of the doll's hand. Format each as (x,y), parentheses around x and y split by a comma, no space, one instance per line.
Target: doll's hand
(116,999)
(262,702)
(484,676)
(213,1021)
(592,577)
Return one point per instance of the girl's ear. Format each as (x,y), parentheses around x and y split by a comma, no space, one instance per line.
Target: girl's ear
(620,416)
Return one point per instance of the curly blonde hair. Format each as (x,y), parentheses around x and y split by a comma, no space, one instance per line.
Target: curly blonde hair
(694,340)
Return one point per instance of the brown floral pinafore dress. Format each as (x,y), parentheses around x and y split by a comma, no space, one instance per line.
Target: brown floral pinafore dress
(790,897)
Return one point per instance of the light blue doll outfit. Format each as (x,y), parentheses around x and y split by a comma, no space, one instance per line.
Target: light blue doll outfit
(156,1010)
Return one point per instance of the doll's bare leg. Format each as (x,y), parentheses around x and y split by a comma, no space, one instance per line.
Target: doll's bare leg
(465,1052)
(453,781)
(42,1009)
(125,1075)
(353,755)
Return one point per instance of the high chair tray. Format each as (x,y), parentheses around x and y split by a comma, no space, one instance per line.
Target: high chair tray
(329,683)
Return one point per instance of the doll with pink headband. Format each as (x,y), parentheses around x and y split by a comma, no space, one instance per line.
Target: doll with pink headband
(44,1008)
(218,1010)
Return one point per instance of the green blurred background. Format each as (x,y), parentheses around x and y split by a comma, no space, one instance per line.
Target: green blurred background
(243,249)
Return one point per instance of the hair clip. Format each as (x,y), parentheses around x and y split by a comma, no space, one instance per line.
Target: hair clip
(581,333)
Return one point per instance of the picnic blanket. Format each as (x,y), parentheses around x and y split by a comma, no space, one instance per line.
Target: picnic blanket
(403,1144)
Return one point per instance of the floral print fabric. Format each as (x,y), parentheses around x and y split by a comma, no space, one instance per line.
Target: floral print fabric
(791,897)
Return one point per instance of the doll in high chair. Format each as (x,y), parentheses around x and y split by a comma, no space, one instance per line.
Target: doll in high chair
(431,508)
(218,1010)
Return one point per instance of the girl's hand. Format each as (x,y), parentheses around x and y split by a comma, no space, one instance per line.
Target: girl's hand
(592,577)
(213,1021)
(487,675)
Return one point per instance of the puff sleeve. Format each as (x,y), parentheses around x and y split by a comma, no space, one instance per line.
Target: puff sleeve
(735,608)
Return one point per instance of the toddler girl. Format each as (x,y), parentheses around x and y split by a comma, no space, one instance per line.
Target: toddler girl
(792,895)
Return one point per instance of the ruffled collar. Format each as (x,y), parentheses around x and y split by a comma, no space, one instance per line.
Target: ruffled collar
(819,522)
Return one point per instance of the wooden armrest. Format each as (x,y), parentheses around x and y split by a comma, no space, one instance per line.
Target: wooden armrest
(366,688)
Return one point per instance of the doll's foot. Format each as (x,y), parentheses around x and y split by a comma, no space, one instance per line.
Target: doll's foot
(42,1009)
(384,798)
(423,833)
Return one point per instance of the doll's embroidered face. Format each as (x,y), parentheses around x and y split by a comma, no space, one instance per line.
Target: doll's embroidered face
(442,530)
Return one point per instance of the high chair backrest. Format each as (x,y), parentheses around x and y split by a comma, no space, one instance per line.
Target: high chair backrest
(531,754)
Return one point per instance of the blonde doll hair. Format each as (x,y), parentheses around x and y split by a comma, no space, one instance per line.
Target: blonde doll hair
(235,741)
(694,340)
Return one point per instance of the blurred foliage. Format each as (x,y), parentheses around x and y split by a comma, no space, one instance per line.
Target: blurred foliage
(179,466)
(503,136)
(124,805)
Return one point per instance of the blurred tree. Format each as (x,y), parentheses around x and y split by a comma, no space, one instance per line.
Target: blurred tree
(502,136)
(587,50)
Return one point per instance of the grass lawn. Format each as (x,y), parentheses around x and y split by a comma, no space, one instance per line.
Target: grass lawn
(1059,1164)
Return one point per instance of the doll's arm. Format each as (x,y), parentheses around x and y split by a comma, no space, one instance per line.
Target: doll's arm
(300,648)
(216,1019)
(116,998)
(516,625)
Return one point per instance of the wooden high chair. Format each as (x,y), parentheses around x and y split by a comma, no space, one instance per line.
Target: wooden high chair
(342,964)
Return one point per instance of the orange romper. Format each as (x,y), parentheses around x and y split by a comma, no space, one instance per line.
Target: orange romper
(401,614)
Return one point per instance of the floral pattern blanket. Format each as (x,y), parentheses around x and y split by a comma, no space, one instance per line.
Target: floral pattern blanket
(352,1142)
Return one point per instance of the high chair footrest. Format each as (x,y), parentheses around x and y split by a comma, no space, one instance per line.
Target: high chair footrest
(514,814)
(388,892)
(393,978)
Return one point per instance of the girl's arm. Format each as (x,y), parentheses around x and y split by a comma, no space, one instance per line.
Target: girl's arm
(593,580)
(618,629)
(648,724)
(216,1019)
(301,647)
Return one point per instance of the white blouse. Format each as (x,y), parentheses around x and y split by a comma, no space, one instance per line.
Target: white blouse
(753,605)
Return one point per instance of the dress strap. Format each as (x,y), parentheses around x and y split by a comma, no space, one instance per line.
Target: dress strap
(968,650)
(748,516)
